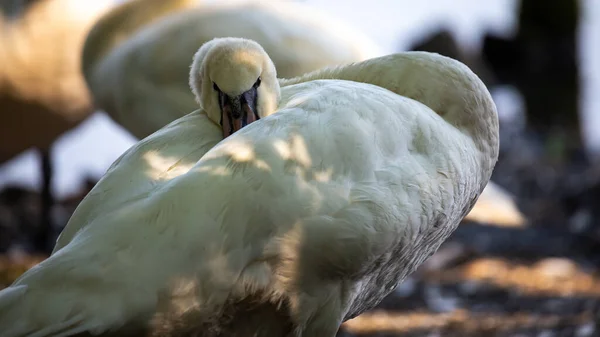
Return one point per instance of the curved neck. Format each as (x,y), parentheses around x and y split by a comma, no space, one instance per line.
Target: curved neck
(122,22)
(445,85)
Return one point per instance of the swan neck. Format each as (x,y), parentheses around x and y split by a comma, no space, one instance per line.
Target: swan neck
(446,86)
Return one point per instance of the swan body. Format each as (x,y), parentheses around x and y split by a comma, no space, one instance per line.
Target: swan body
(142,85)
(42,90)
(136,60)
(317,211)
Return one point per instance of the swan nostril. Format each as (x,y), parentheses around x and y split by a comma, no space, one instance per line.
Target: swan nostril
(236,107)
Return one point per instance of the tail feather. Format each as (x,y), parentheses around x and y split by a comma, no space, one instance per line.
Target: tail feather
(10,299)
(22,313)
(66,310)
(70,327)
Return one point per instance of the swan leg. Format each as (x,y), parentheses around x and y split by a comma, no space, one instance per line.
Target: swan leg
(42,240)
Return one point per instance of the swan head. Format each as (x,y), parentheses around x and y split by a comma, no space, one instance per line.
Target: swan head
(235,82)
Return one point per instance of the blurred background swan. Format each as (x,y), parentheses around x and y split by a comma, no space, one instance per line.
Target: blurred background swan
(42,92)
(135,76)
(540,61)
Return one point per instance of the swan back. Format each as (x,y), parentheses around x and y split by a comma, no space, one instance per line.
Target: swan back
(142,83)
(42,91)
(443,84)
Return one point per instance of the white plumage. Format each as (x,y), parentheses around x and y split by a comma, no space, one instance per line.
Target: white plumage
(136,59)
(42,91)
(136,77)
(317,211)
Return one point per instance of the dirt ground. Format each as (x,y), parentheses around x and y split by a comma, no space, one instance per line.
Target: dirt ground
(460,292)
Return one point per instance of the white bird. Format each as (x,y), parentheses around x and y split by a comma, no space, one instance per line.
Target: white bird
(143,86)
(295,223)
(136,59)
(42,91)
(40,75)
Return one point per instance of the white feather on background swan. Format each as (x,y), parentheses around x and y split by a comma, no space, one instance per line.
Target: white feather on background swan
(137,58)
(42,90)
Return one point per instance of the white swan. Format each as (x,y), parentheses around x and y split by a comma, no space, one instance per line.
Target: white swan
(302,219)
(42,91)
(143,88)
(136,59)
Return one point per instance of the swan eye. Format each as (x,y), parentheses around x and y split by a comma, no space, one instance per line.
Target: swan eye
(257,83)
(216,87)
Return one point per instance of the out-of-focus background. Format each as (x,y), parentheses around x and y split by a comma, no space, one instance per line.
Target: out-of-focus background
(537,276)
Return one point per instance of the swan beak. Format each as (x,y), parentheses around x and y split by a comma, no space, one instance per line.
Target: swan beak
(238,111)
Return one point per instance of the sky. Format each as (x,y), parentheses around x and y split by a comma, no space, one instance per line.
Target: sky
(393,24)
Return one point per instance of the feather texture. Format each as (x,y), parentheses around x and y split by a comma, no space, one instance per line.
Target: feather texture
(135,76)
(318,211)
